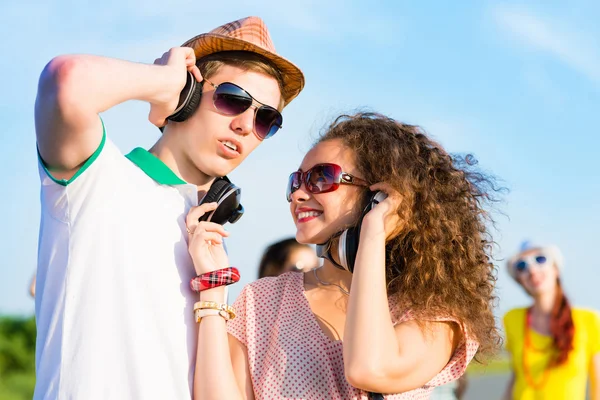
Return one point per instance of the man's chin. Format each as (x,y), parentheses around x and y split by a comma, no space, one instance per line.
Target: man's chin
(217,169)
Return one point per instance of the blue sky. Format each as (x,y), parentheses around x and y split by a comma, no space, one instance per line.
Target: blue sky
(517,84)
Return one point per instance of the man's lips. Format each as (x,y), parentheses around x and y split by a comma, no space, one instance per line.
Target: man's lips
(230,148)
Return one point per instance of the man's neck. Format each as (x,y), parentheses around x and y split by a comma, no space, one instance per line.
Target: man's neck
(181,165)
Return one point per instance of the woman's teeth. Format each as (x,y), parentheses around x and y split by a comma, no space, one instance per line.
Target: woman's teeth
(307,214)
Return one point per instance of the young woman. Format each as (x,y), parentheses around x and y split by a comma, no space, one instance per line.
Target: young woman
(413,313)
(554,347)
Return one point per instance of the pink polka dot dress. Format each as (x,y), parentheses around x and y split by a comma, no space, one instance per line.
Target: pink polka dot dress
(291,358)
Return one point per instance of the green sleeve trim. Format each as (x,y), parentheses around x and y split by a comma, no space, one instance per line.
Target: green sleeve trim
(89,161)
(154,167)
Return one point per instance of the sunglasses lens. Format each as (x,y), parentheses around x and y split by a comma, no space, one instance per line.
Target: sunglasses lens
(293,184)
(230,99)
(321,179)
(541,260)
(267,122)
(521,265)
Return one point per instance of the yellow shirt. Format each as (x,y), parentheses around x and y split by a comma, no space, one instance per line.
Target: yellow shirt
(565,382)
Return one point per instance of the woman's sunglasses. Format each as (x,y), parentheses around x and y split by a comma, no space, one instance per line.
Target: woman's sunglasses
(321,178)
(523,264)
(230,99)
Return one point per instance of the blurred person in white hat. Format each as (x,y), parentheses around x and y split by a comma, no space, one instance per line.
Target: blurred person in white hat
(554,347)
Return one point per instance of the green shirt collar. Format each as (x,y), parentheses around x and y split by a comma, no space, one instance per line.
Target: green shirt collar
(154,167)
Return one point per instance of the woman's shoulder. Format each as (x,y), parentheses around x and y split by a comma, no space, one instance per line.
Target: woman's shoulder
(274,282)
(274,286)
(514,315)
(586,315)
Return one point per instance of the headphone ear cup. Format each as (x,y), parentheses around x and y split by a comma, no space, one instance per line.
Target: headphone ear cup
(324,250)
(190,98)
(349,239)
(227,195)
(238,213)
(348,247)
(219,187)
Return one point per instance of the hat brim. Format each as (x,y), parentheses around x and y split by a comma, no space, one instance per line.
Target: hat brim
(209,43)
(552,250)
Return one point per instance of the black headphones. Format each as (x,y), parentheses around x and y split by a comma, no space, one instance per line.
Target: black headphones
(228,197)
(189,99)
(347,245)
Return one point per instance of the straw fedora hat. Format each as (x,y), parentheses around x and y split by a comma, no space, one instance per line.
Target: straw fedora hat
(249,34)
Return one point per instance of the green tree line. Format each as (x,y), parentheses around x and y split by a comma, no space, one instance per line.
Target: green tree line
(17,357)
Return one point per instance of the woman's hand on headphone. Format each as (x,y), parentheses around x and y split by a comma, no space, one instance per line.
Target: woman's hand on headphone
(205,241)
(178,60)
(383,217)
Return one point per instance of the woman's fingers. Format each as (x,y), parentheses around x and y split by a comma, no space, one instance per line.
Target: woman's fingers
(195,213)
(209,237)
(210,227)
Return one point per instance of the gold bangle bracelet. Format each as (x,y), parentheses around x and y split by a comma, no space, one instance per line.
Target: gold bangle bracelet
(206,312)
(206,304)
(213,305)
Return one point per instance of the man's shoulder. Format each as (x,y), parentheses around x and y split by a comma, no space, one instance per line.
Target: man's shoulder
(117,167)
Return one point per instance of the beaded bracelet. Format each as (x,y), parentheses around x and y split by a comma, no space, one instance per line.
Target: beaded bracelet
(213,279)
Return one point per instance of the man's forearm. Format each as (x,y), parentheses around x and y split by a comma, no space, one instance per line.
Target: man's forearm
(95,84)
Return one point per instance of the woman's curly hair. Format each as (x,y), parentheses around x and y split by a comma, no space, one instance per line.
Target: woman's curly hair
(440,263)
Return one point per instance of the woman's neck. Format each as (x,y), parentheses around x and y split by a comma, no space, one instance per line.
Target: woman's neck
(543,304)
(331,274)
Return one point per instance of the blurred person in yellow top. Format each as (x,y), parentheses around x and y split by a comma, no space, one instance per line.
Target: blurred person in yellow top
(554,347)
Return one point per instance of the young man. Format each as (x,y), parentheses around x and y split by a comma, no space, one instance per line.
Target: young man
(113,305)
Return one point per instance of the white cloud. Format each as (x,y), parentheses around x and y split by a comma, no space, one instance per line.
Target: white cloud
(545,34)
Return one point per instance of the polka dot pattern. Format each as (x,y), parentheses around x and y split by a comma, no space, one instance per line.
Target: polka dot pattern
(291,358)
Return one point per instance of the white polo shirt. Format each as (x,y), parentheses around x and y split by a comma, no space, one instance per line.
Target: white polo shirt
(113,305)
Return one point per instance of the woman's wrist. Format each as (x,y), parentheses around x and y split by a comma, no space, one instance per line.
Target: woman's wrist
(216,294)
(371,228)
(202,271)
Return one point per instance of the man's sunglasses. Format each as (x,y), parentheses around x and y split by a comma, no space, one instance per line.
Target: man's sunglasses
(230,99)
(523,264)
(321,178)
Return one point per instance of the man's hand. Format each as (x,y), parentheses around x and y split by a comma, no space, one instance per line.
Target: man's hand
(178,61)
